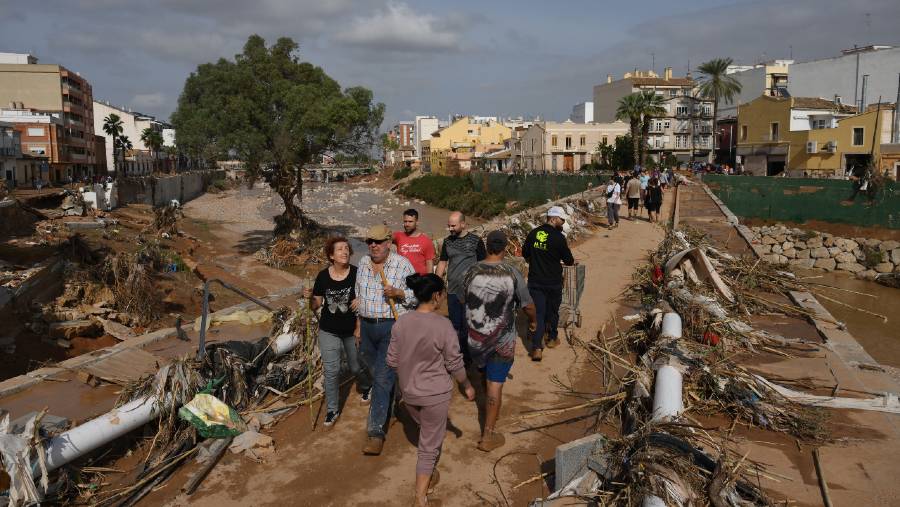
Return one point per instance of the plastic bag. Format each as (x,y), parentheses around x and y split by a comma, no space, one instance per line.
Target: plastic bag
(211,417)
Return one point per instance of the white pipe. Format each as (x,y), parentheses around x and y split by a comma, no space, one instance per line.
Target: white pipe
(667,402)
(671,325)
(653,501)
(80,440)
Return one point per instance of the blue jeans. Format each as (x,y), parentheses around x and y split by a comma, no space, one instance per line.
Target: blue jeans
(547,298)
(376,336)
(457,313)
(330,346)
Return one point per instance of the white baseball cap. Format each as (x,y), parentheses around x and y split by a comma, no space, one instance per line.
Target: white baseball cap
(557,211)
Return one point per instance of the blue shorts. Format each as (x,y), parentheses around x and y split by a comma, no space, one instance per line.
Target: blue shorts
(497,371)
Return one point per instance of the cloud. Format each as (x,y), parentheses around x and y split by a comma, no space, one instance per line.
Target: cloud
(148,100)
(400,29)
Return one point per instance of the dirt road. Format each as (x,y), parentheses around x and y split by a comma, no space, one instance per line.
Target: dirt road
(315,467)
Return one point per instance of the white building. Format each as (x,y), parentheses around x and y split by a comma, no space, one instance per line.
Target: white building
(768,78)
(139,161)
(842,76)
(424,127)
(168,135)
(18,58)
(583,112)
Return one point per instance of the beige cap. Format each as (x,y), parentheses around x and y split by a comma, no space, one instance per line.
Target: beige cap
(379,232)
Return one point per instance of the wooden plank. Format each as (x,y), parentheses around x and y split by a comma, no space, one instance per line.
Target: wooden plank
(125,366)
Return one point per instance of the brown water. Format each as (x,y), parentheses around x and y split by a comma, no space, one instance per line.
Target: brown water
(879,338)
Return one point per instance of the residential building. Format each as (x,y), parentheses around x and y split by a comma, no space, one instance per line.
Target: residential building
(565,146)
(140,160)
(26,85)
(10,151)
(422,130)
(813,137)
(843,76)
(519,122)
(583,112)
(768,78)
(685,131)
(451,148)
(40,135)
(425,155)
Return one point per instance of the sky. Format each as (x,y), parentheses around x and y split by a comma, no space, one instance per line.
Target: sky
(501,58)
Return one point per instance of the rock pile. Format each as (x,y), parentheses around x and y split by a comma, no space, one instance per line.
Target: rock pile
(865,257)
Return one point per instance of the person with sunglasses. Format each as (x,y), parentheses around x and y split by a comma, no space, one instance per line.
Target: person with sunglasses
(382,296)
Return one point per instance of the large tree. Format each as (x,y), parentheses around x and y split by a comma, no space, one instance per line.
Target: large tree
(652,106)
(276,114)
(112,126)
(630,109)
(717,84)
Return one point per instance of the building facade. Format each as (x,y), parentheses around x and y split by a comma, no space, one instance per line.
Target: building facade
(26,85)
(769,78)
(451,148)
(140,160)
(564,146)
(685,131)
(10,152)
(583,112)
(423,128)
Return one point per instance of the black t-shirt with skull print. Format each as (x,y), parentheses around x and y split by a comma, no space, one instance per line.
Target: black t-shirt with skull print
(337,317)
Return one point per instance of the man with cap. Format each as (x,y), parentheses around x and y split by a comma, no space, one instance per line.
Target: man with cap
(459,252)
(545,249)
(382,296)
(494,292)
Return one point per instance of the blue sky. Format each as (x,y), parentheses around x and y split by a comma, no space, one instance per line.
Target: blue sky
(428,57)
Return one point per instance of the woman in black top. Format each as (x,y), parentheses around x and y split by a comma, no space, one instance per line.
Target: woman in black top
(653,199)
(334,292)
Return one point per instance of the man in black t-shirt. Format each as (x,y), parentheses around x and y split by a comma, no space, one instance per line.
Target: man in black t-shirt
(545,249)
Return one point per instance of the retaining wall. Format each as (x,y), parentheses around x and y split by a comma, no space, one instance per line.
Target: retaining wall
(160,190)
(523,188)
(802,199)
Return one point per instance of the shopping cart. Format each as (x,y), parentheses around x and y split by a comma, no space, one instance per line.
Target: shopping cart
(573,287)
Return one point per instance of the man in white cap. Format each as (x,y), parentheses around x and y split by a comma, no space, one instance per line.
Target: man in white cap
(546,250)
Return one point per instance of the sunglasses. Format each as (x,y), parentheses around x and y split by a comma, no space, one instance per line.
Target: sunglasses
(370,241)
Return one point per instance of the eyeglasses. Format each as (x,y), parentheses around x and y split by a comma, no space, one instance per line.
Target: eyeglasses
(370,241)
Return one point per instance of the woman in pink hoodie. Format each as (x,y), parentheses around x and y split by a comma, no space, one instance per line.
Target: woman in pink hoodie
(424,351)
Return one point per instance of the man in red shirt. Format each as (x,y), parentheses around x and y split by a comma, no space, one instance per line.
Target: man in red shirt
(415,245)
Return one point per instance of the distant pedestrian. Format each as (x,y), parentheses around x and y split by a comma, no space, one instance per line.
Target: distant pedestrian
(633,194)
(460,250)
(334,292)
(415,245)
(383,296)
(424,353)
(654,200)
(495,291)
(546,250)
(613,202)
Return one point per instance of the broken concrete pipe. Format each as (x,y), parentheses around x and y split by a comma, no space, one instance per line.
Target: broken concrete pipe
(78,441)
(667,396)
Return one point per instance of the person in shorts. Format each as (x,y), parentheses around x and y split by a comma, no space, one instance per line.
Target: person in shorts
(493,292)
(633,193)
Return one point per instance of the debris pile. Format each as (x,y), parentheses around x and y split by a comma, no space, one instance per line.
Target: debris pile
(165,219)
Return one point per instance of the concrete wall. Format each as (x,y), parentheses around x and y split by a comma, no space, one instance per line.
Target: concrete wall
(534,187)
(36,86)
(158,191)
(802,199)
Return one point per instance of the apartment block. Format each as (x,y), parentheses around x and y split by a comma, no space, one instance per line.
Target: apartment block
(140,160)
(10,152)
(26,85)
(452,148)
(583,112)
(685,131)
(563,146)
(423,128)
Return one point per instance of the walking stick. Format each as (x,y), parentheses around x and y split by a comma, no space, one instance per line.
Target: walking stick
(384,283)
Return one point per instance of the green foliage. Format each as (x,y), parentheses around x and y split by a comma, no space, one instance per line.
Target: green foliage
(402,172)
(153,140)
(630,109)
(455,193)
(112,126)
(652,106)
(276,114)
(716,83)
(623,153)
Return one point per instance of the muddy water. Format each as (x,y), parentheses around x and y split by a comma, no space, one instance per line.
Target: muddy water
(880,339)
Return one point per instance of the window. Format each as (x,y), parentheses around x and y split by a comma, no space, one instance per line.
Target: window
(532,146)
(37,150)
(583,141)
(673,92)
(553,162)
(36,132)
(681,141)
(707,109)
(667,124)
(858,133)
(743,132)
(681,111)
(820,124)
(553,141)
(773,131)
(605,140)
(568,142)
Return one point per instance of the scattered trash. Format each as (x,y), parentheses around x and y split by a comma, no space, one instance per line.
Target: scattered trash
(211,417)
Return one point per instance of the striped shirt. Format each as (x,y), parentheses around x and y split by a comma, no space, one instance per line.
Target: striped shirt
(370,290)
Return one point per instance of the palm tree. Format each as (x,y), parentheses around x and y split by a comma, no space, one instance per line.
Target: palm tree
(716,84)
(153,141)
(652,106)
(124,145)
(112,126)
(630,109)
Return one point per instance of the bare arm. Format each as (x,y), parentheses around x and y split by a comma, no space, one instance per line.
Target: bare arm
(531,312)
(441,269)
(429,266)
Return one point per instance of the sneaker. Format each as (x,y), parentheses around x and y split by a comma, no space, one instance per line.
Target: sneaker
(365,397)
(331,418)
(373,446)
(553,343)
(537,355)
(491,440)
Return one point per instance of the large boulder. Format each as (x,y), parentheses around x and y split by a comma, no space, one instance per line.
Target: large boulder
(814,242)
(828,240)
(895,256)
(868,274)
(803,263)
(884,267)
(887,246)
(768,240)
(853,267)
(786,245)
(790,253)
(776,249)
(819,253)
(849,245)
(833,250)
(803,254)
(845,257)
(828,264)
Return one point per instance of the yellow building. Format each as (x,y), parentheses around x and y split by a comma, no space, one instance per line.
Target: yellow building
(803,136)
(463,136)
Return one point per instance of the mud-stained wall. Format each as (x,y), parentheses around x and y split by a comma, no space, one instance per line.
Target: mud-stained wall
(15,220)
(535,187)
(802,199)
(158,191)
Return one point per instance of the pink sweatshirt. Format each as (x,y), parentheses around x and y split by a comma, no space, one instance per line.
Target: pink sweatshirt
(424,351)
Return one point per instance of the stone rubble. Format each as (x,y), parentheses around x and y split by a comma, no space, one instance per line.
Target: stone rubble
(864,257)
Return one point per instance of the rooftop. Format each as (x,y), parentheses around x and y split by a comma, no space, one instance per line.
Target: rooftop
(820,103)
